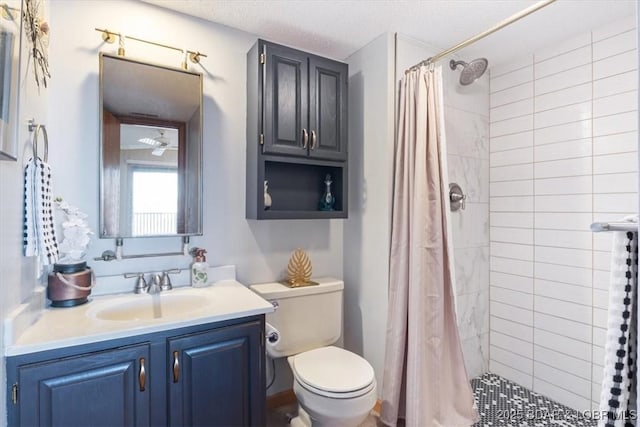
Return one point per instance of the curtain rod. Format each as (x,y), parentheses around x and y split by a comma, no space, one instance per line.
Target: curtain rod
(471,40)
(614,226)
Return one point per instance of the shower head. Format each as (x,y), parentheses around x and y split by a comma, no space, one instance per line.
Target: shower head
(471,71)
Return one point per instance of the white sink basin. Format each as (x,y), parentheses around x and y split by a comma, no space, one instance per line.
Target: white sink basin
(149,307)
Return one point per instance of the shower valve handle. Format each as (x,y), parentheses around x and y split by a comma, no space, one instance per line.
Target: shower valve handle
(456,197)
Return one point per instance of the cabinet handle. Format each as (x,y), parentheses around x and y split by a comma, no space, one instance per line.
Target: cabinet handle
(305,138)
(142,375)
(176,367)
(313,139)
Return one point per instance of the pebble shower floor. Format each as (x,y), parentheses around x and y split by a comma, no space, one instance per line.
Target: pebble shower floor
(504,403)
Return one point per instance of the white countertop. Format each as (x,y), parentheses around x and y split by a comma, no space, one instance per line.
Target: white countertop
(63,327)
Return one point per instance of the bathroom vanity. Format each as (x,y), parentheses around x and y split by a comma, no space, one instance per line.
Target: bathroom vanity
(205,367)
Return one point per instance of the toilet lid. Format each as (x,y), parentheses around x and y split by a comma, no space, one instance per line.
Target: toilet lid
(333,369)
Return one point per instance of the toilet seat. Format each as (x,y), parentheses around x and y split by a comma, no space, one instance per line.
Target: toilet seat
(333,372)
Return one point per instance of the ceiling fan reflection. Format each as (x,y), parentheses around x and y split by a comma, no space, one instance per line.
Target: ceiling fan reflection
(158,143)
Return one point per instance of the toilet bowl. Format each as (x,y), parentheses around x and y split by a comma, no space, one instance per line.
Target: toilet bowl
(334,387)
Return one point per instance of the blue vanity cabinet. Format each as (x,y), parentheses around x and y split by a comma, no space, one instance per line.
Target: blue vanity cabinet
(211,374)
(105,388)
(215,378)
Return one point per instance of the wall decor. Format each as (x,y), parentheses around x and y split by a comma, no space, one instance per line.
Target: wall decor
(37,33)
(9,44)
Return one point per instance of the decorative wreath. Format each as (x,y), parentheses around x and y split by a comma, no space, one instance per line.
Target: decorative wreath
(37,32)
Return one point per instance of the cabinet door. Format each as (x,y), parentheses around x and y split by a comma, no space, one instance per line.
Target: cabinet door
(106,388)
(327,108)
(217,377)
(285,101)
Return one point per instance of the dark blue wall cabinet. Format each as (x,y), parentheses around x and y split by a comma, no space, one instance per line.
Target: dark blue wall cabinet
(296,132)
(206,375)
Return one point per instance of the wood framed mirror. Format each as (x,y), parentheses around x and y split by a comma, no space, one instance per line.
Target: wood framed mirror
(151,149)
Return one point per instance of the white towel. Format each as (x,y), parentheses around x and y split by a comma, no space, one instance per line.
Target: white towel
(619,385)
(39,230)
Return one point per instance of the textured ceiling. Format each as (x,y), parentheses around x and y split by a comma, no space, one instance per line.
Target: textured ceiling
(337,28)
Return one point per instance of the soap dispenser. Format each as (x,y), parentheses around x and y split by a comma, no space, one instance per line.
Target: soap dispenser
(199,268)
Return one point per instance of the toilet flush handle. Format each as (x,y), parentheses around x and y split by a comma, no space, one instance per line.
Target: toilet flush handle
(272,334)
(273,337)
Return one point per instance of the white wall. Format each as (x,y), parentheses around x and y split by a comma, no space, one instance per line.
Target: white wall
(367,231)
(563,154)
(259,249)
(19,274)
(466,119)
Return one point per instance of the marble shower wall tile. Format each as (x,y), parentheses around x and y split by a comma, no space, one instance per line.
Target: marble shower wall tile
(471,226)
(473,98)
(472,312)
(472,270)
(466,119)
(472,175)
(467,134)
(476,355)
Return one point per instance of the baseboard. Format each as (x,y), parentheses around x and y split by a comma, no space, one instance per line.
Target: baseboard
(377,407)
(282,398)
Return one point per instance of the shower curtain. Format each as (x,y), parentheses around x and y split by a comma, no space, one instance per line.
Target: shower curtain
(425,381)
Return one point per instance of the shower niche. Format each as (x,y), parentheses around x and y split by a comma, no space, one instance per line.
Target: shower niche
(296,133)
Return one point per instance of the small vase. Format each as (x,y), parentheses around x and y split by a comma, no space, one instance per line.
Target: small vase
(328,200)
(267,197)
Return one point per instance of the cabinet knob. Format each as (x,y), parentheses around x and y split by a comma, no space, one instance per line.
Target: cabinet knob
(314,140)
(176,367)
(305,138)
(142,375)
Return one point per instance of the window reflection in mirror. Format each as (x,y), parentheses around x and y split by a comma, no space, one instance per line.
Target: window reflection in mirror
(151,150)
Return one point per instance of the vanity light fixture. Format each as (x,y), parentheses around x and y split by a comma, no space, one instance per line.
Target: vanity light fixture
(121,38)
(110,37)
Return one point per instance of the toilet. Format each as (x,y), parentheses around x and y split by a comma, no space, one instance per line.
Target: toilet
(334,387)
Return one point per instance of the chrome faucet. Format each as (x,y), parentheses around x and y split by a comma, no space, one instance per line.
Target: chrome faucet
(155,287)
(165,283)
(159,282)
(141,284)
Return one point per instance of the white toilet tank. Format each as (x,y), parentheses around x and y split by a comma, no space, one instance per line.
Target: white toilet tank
(305,318)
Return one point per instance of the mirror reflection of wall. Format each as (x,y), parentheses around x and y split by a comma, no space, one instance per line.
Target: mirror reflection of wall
(151,150)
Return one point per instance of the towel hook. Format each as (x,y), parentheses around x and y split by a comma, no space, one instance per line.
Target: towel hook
(36,127)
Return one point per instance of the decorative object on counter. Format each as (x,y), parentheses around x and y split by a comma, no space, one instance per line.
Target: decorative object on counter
(75,232)
(37,32)
(267,196)
(71,281)
(70,284)
(199,268)
(299,270)
(39,234)
(328,200)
